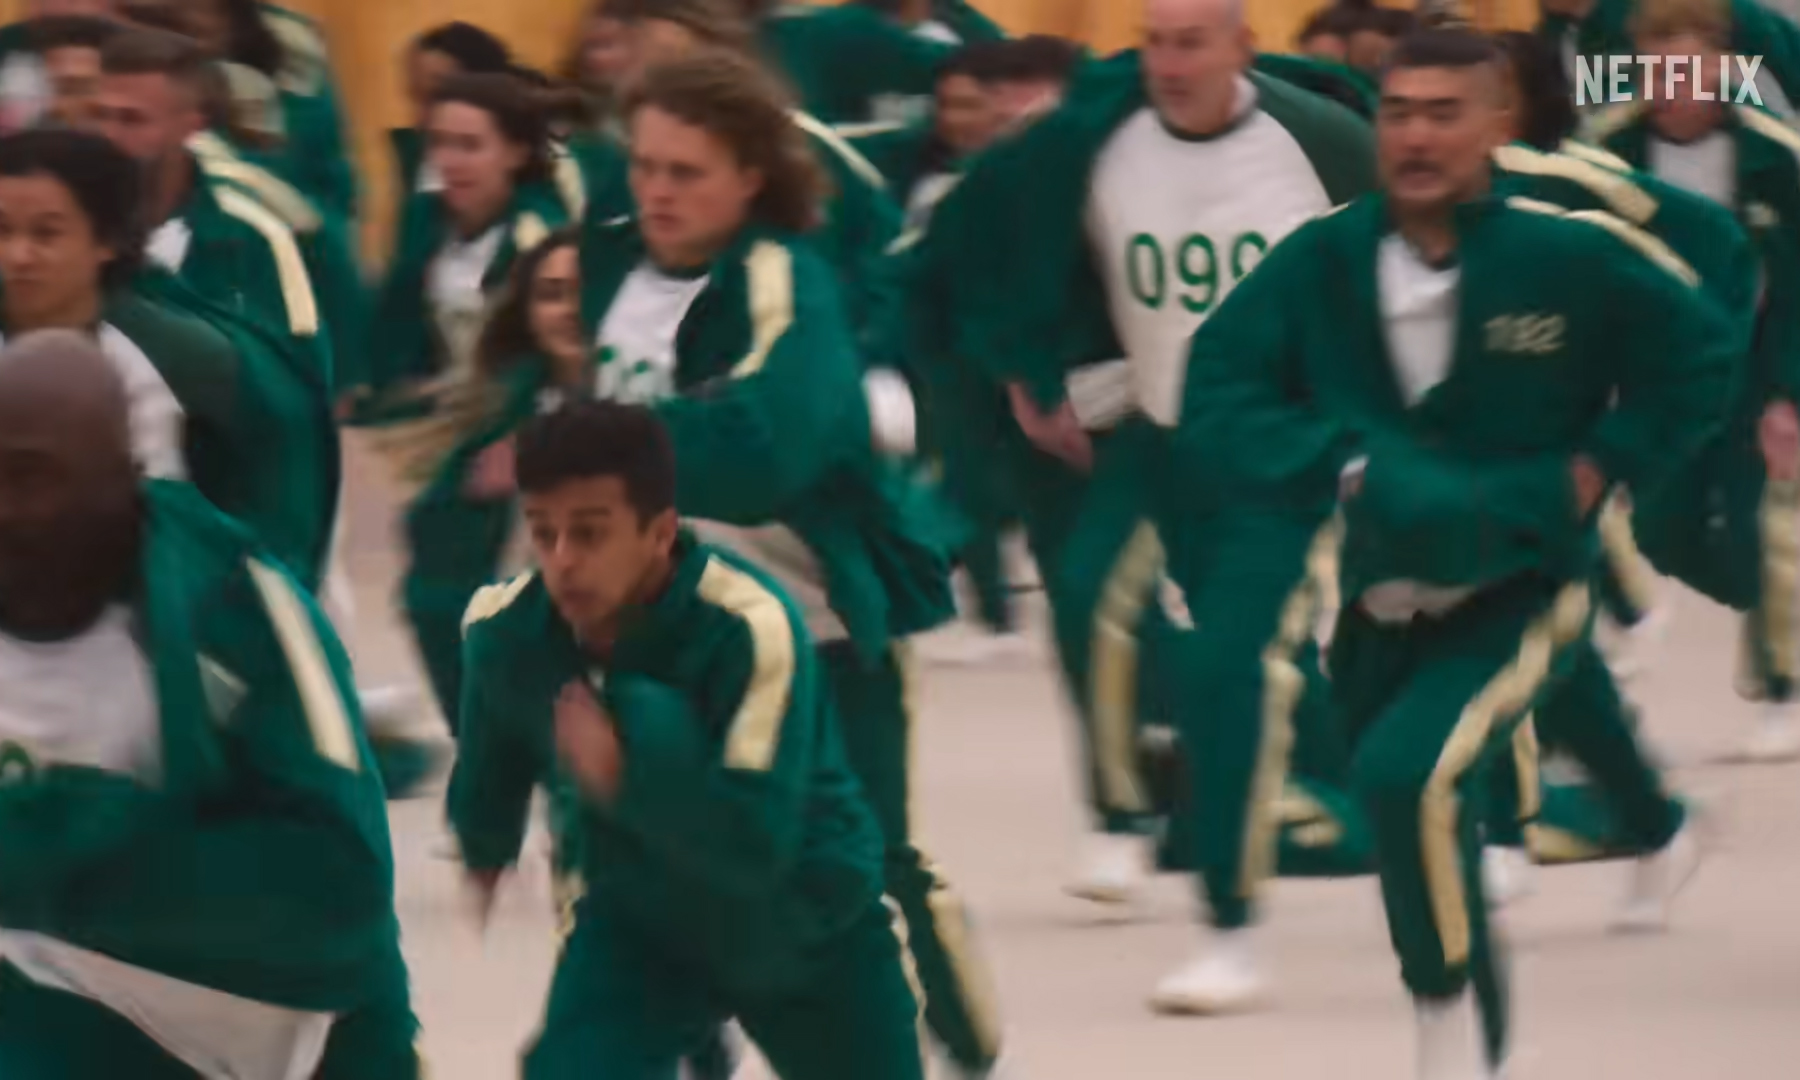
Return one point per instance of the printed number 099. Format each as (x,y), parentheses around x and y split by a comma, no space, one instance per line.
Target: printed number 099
(1196,264)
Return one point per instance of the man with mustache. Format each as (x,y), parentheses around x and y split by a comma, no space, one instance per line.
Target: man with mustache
(1466,378)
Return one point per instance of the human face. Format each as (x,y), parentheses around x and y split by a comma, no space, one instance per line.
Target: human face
(1367,50)
(426,69)
(967,114)
(50,260)
(477,161)
(606,51)
(147,116)
(1194,51)
(1680,117)
(68,523)
(1325,47)
(555,305)
(597,555)
(650,42)
(1435,130)
(74,85)
(693,194)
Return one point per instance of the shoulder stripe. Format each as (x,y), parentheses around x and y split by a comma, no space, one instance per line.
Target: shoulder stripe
(770,271)
(754,737)
(528,232)
(1622,196)
(217,159)
(491,600)
(1606,159)
(850,155)
(290,268)
(320,697)
(571,182)
(873,127)
(1769,128)
(1645,244)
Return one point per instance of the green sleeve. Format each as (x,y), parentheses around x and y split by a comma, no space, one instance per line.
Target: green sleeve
(735,823)
(318,161)
(1762,31)
(282,880)
(343,299)
(862,223)
(1339,144)
(399,342)
(752,441)
(1248,418)
(1675,356)
(967,20)
(497,764)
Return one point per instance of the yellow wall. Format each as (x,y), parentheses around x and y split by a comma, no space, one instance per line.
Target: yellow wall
(368,36)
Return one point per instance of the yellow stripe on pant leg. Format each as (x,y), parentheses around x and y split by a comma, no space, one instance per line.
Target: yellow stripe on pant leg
(1781,575)
(1550,846)
(1114,669)
(947,912)
(1636,577)
(897,921)
(1525,762)
(1507,695)
(1284,684)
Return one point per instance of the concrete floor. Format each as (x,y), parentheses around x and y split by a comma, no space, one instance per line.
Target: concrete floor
(1718,997)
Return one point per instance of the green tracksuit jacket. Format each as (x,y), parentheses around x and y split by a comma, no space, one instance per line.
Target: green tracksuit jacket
(404,341)
(1767,207)
(770,425)
(1336,82)
(1041,309)
(850,64)
(314,156)
(1757,30)
(334,277)
(1470,486)
(261,865)
(738,842)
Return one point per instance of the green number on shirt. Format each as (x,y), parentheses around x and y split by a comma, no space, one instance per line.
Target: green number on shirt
(1196,264)
(1143,244)
(1204,278)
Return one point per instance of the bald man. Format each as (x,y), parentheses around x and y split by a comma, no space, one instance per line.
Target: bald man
(197,881)
(1133,212)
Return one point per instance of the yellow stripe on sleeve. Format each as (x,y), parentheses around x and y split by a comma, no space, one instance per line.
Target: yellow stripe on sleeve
(755,734)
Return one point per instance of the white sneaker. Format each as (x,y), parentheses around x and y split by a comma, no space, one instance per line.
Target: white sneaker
(1450,1045)
(1224,978)
(1657,878)
(1776,738)
(1506,875)
(1114,869)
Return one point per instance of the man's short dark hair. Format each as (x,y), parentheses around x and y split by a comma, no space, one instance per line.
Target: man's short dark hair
(1449,47)
(102,179)
(1338,20)
(71,32)
(1039,58)
(588,440)
(157,52)
(475,50)
(1546,101)
(983,61)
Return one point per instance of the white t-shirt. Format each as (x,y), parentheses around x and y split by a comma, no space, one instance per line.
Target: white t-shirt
(1175,223)
(168,243)
(637,337)
(87,701)
(1707,166)
(458,302)
(158,422)
(1418,315)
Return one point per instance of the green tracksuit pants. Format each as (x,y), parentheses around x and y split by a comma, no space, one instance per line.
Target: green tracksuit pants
(875,708)
(456,546)
(47,1034)
(1428,706)
(1723,530)
(620,1009)
(1099,546)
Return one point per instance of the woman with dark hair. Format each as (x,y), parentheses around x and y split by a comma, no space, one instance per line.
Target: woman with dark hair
(440,53)
(277,69)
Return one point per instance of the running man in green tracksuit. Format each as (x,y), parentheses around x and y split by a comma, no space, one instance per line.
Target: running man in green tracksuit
(732,868)
(1131,212)
(1469,418)
(1729,526)
(198,882)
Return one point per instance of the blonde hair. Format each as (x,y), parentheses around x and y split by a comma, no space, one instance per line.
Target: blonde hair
(1660,20)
